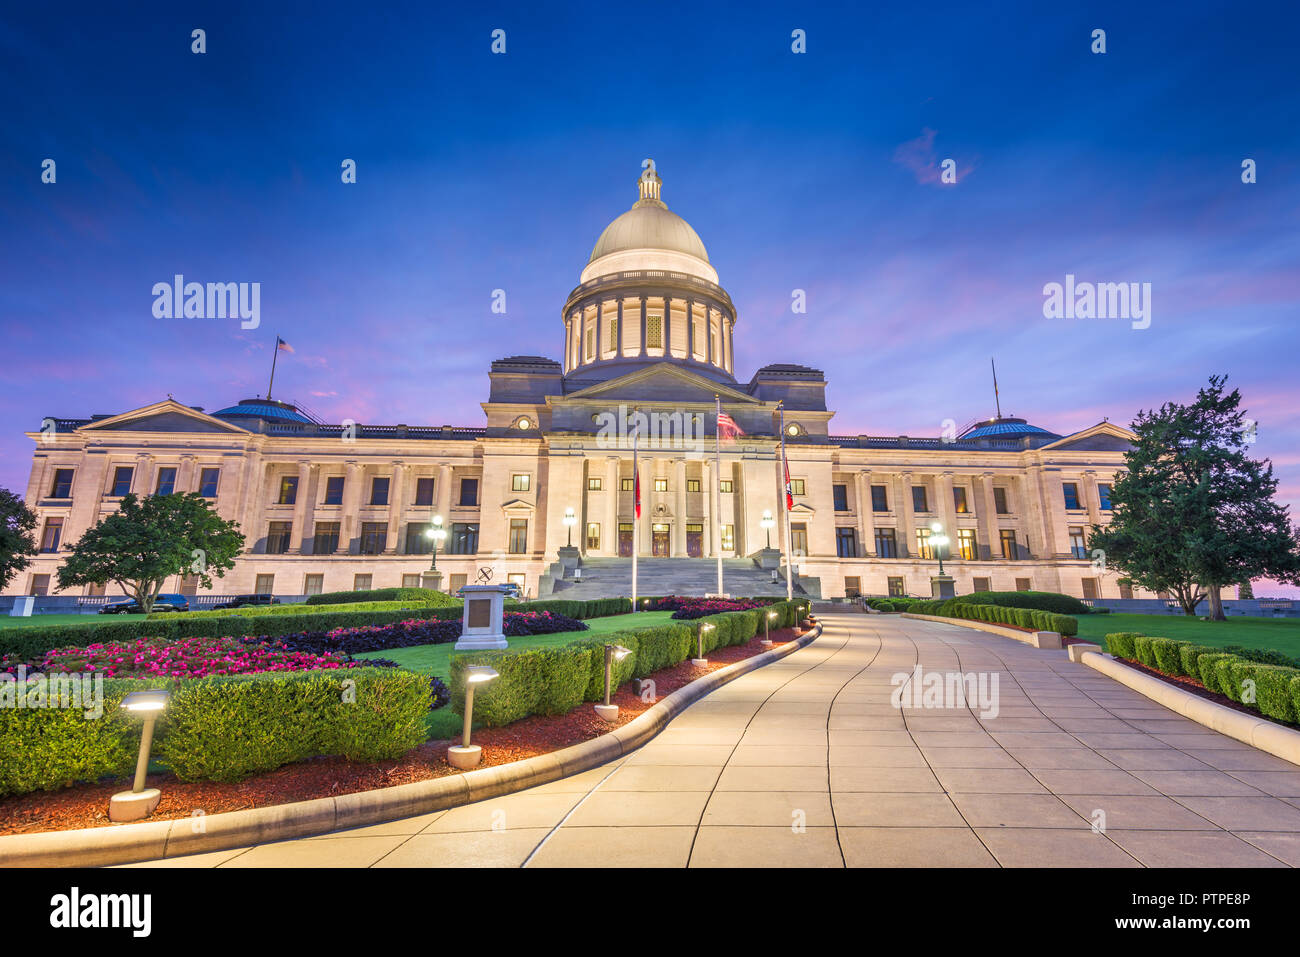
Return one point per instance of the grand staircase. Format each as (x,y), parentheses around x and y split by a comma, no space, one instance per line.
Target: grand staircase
(612,577)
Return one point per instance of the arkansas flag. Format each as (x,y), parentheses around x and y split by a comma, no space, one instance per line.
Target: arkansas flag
(789,494)
(636,488)
(727,427)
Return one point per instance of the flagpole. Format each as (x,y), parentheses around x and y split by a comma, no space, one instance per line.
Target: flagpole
(717,485)
(996,399)
(636,493)
(785,505)
(275,354)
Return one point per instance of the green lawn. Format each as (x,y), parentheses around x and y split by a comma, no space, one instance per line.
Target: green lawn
(436,659)
(1276,634)
(7,621)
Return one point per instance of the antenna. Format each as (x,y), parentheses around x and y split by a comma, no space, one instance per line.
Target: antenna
(997,401)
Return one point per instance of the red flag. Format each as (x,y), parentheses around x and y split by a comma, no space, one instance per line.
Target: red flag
(636,488)
(789,495)
(727,427)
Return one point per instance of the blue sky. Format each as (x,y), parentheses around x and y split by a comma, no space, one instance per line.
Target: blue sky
(813,171)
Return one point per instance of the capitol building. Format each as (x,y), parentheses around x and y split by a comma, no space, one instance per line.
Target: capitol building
(647,356)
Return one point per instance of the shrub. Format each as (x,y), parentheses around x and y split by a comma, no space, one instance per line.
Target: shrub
(1165,651)
(620,671)
(384,594)
(1273,689)
(1040,600)
(1188,653)
(661,647)
(260,611)
(531,681)
(1142,651)
(886,606)
(1294,687)
(1228,676)
(1120,643)
(1206,665)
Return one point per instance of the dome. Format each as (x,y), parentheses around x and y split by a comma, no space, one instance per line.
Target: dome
(267,409)
(1005,428)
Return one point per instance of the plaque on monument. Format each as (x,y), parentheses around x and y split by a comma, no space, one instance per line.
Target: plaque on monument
(481,621)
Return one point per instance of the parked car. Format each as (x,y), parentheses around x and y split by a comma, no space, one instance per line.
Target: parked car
(245,601)
(129,606)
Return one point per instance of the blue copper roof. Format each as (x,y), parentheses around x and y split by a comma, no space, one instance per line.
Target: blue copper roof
(1004,428)
(272,411)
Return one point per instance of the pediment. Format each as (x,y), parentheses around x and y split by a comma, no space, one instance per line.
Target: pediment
(166,416)
(663,382)
(1102,437)
(518,506)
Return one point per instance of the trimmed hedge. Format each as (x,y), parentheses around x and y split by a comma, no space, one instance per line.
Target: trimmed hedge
(1039,600)
(999,615)
(221,728)
(260,611)
(428,595)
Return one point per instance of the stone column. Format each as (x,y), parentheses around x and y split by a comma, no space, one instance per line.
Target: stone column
(986,516)
(349,530)
(255,498)
(185,474)
(906,517)
(1091,498)
(708,334)
(866,516)
(690,330)
(642,344)
(306,531)
(142,477)
(300,504)
(648,471)
(600,333)
(443,493)
(948,509)
(668,327)
(619,340)
(678,548)
(396,492)
(706,487)
(609,535)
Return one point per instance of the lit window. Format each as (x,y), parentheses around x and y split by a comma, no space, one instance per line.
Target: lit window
(726,485)
(796,487)
(959,499)
(627,485)
(288,490)
(966,544)
(654,332)
(593,536)
(593,485)
(518,536)
(520,483)
(692,485)
(661,485)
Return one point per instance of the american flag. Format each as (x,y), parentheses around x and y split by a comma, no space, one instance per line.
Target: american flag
(282,346)
(727,427)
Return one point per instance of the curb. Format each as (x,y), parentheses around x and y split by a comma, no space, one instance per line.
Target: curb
(152,840)
(1038,639)
(1257,732)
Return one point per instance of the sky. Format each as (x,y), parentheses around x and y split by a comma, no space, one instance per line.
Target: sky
(815,171)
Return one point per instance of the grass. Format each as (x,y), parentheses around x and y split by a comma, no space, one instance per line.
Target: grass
(1275,634)
(8,621)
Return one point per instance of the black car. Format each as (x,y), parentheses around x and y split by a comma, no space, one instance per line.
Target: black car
(129,606)
(245,601)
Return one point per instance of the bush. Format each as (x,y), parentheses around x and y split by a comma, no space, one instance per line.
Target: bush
(428,595)
(1228,676)
(661,647)
(259,611)
(531,681)
(1120,643)
(1166,653)
(1206,665)
(1188,653)
(885,606)
(1272,689)
(1039,600)
(1142,651)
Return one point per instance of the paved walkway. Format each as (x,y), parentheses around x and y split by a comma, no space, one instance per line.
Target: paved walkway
(807,763)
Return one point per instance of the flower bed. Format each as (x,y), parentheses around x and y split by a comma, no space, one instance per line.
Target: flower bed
(688,609)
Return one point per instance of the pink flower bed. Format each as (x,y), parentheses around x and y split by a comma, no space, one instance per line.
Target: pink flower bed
(186,658)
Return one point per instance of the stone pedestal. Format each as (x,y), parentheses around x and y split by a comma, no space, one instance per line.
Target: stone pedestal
(480,624)
(768,558)
(431,580)
(464,757)
(941,586)
(569,558)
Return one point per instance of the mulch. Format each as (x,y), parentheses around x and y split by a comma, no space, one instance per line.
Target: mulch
(86,805)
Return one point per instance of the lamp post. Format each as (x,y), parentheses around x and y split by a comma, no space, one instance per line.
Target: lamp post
(767,522)
(700,661)
(938,540)
(466,755)
(941,585)
(436,534)
(139,802)
(570,519)
(613,653)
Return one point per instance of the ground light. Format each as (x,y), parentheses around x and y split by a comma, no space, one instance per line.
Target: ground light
(701,661)
(767,626)
(466,755)
(613,653)
(139,802)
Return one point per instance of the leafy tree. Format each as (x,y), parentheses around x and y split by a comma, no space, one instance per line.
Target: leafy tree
(1193,513)
(1245,590)
(148,540)
(17,535)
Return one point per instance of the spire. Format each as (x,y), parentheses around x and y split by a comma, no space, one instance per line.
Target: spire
(649,184)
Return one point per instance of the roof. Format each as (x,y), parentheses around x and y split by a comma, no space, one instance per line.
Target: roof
(649,224)
(1004,428)
(263,409)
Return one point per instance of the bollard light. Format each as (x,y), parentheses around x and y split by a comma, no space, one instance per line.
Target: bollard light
(466,755)
(139,802)
(700,661)
(613,653)
(767,628)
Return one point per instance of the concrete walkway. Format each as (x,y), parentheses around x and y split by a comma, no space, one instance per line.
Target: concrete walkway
(806,763)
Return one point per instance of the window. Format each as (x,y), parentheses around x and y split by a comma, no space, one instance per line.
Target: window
(464,538)
(1071,490)
(923,547)
(51,534)
(469,491)
(896,589)
(1000,501)
(1008,539)
(379,490)
(982,584)
(593,536)
(334,490)
(919,501)
(846,542)
(841,495)
(796,487)
(1125,591)
(1090,588)
(190,585)
(424,491)
(418,541)
(593,485)
(361,583)
(458,582)
(966,547)
(591,344)
(208,479)
(166,481)
(886,543)
(122,480)
(61,487)
(692,485)
(313,584)
(1023,584)
(727,486)
(374,537)
(520,579)
(879,498)
(411,581)
(519,483)
(798,538)
(518,536)
(326,539)
(959,499)
(627,485)
(612,342)
(1103,494)
(288,490)
(1078,543)
(277,538)
(265,585)
(661,485)
(654,332)
(852,586)
(729,539)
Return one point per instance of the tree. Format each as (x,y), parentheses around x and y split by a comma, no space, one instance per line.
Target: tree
(1245,591)
(17,535)
(148,540)
(1192,512)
